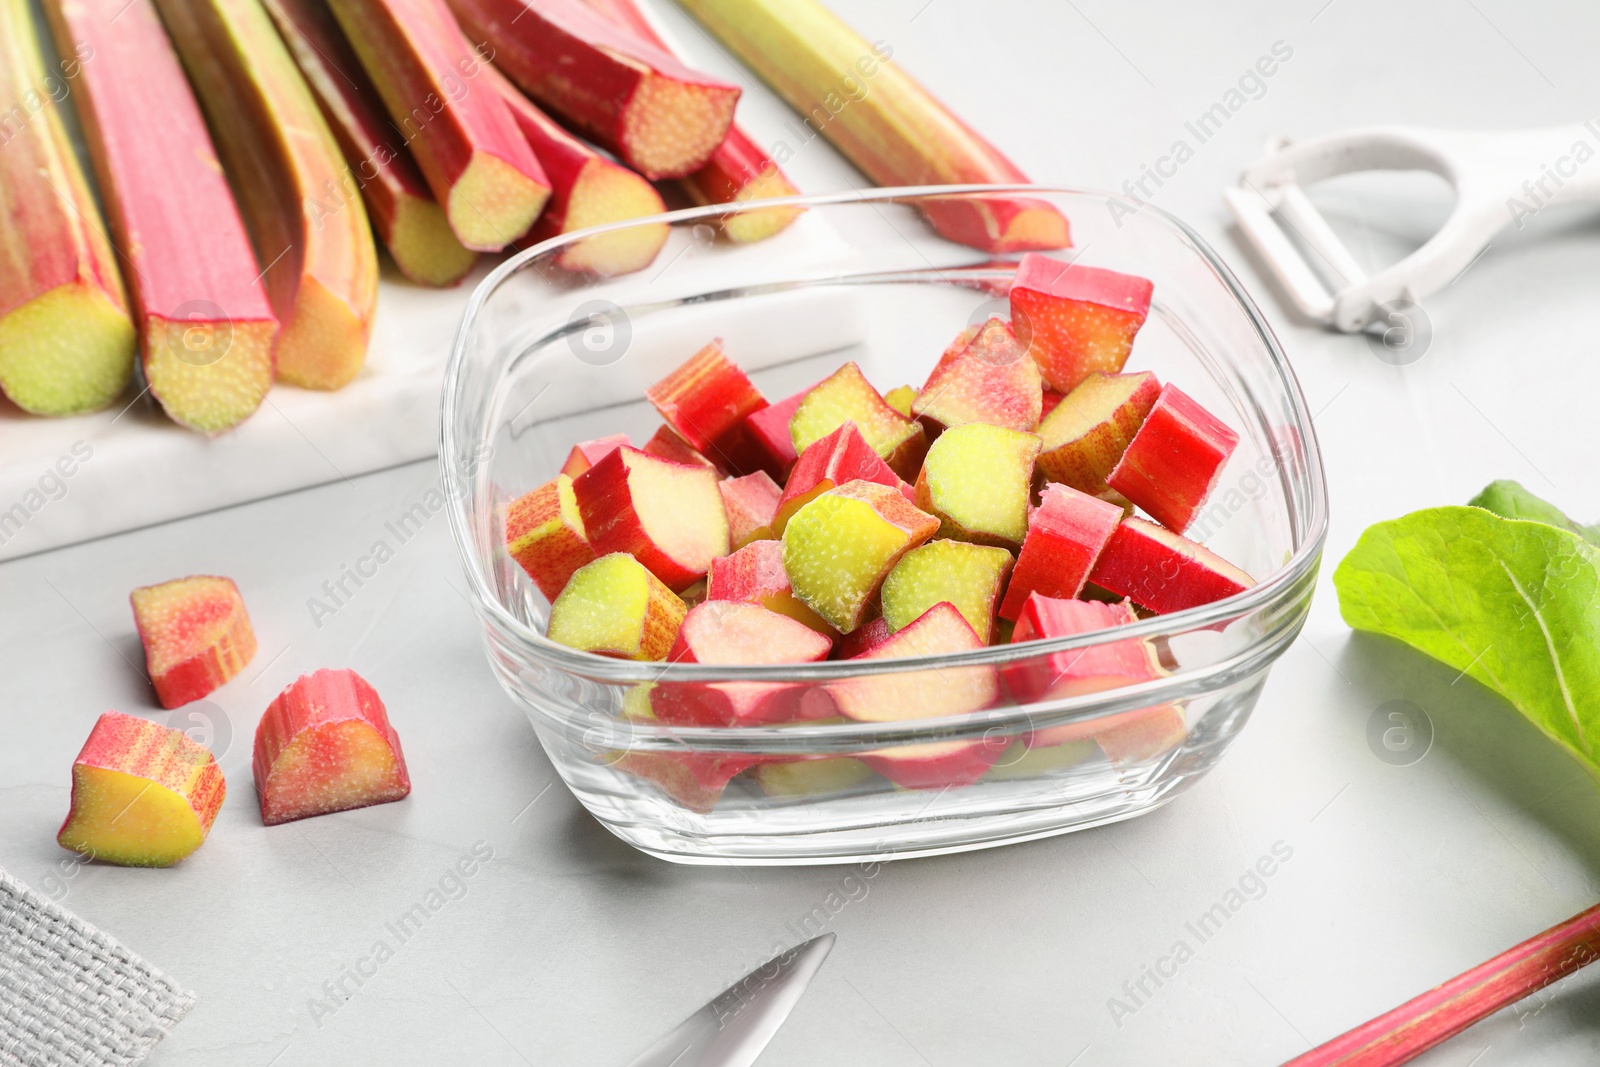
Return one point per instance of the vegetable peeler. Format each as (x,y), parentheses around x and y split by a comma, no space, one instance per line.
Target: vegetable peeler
(1500,178)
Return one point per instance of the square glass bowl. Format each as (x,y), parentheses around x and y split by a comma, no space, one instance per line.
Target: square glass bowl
(545,359)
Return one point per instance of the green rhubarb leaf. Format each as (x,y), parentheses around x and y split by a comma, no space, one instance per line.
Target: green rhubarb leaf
(1513,602)
(1510,500)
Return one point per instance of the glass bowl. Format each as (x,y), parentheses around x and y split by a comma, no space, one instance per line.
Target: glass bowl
(545,358)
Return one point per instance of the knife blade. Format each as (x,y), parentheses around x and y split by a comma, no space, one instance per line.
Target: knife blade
(736,1025)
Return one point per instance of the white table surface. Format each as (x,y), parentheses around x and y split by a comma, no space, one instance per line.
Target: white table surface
(568,947)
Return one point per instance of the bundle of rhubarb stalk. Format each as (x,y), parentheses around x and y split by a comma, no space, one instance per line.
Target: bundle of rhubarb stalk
(245,152)
(993,504)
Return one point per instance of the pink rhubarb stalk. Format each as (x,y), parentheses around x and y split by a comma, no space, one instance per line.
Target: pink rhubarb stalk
(883,121)
(1444,1011)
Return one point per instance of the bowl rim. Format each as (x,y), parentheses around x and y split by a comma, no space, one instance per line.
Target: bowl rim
(460,494)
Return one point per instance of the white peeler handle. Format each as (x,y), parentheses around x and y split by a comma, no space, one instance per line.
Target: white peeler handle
(1500,178)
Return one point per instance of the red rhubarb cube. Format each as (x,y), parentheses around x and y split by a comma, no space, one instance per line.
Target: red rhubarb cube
(666,444)
(196,635)
(768,430)
(990,380)
(668,516)
(1174,460)
(1163,571)
(751,503)
(706,401)
(1076,319)
(1079,670)
(544,534)
(842,456)
(1066,534)
(730,633)
(755,575)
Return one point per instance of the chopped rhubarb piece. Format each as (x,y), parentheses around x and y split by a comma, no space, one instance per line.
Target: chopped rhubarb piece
(1174,460)
(730,633)
(817,776)
(586,454)
(1086,434)
(842,456)
(901,397)
(968,577)
(196,635)
(977,480)
(479,166)
(694,780)
(838,548)
(666,444)
(320,265)
(880,119)
(706,400)
(737,171)
(206,328)
(544,534)
(920,694)
(1066,534)
(1164,571)
(1075,319)
(404,213)
(1141,735)
(863,639)
(586,189)
(768,430)
(751,503)
(67,339)
(847,396)
(937,764)
(143,794)
(325,744)
(1090,669)
(755,574)
(615,607)
(668,515)
(627,95)
(991,380)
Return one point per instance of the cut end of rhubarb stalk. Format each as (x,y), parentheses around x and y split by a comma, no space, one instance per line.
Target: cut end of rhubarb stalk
(544,534)
(671,127)
(750,226)
(605,193)
(1076,319)
(847,396)
(977,480)
(324,745)
(424,247)
(325,343)
(1087,431)
(991,379)
(143,794)
(66,351)
(755,574)
(615,607)
(838,548)
(196,635)
(751,503)
(968,577)
(492,203)
(999,223)
(209,374)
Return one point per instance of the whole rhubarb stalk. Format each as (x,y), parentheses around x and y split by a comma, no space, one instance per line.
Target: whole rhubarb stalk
(586,189)
(431,80)
(206,328)
(66,338)
(884,122)
(310,230)
(737,171)
(663,119)
(408,219)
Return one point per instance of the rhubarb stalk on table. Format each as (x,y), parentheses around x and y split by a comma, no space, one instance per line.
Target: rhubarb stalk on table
(66,337)
(661,118)
(491,185)
(586,189)
(882,120)
(739,170)
(206,328)
(405,214)
(311,236)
